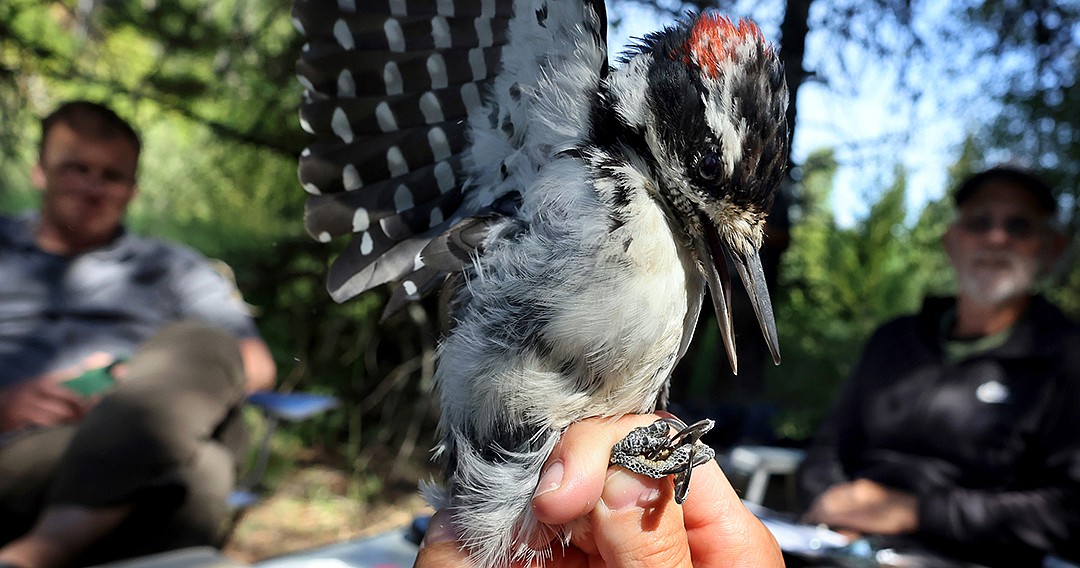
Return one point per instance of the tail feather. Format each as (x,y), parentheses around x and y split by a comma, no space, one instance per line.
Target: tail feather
(492,504)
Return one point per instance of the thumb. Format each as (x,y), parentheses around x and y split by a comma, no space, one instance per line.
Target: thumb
(637,523)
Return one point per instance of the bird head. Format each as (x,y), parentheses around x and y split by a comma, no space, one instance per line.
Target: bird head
(707,100)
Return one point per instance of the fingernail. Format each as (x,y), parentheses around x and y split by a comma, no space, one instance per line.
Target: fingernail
(439,530)
(550,479)
(624,490)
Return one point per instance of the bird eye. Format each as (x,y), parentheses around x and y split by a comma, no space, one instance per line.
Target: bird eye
(709,166)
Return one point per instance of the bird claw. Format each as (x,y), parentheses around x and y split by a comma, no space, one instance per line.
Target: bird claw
(654,451)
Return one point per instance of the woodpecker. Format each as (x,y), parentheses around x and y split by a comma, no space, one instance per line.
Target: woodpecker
(574,211)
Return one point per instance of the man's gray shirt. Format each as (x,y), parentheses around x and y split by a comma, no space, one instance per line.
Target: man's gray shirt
(56,310)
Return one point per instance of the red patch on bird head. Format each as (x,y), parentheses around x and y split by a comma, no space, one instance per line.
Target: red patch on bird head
(713,40)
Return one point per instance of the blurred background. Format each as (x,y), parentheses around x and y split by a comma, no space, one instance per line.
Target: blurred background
(893,100)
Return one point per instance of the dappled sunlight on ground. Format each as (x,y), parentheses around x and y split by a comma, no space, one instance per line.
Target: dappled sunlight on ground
(312,508)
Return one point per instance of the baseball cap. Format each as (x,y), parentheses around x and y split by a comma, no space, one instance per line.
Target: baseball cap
(1021,178)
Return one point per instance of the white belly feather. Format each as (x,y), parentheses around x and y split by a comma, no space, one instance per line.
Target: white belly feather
(611,308)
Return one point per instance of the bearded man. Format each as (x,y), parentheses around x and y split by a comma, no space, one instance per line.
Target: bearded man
(957,433)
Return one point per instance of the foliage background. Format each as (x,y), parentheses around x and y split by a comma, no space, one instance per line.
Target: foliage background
(211,84)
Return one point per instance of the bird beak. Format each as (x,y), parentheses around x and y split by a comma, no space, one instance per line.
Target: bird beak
(719,280)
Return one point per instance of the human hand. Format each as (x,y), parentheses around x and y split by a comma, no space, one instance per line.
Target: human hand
(865,507)
(623,520)
(42,401)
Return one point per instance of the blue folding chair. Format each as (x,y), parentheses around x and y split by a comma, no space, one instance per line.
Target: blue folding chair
(276,407)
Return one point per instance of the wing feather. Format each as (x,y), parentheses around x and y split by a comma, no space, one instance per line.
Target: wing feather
(338,167)
(424,113)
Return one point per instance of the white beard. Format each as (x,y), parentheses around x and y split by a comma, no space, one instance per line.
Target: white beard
(994,278)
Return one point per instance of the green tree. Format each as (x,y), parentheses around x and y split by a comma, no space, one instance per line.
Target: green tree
(839,283)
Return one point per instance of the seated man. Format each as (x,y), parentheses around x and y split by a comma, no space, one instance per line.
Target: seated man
(959,429)
(142,466)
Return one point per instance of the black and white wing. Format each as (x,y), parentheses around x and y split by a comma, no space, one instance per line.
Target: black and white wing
(427,112)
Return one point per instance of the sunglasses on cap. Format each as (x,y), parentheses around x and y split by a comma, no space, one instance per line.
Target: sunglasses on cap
(1016,226)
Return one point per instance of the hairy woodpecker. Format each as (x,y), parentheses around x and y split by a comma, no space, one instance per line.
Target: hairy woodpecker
(580,211)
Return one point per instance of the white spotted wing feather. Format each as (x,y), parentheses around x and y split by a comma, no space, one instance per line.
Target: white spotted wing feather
(425,112)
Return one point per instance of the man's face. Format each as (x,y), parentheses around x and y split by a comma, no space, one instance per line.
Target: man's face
(87,184)
(999,245)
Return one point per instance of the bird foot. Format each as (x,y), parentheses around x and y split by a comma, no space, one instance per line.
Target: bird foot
(654,451)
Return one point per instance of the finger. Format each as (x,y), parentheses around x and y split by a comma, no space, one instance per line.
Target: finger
(573,477)
(59,393)
(60,375)
(440,547)
(850,534)
(46,412)
(97,360)
(721,530)
(637,523)
(119,371)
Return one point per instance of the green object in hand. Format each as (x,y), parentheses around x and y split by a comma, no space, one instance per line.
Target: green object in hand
(94,381)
